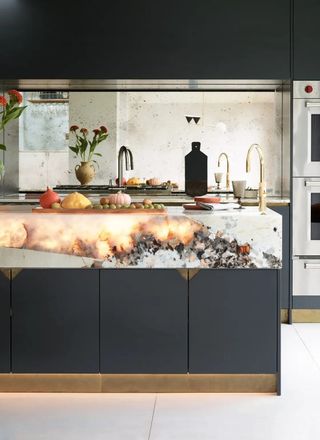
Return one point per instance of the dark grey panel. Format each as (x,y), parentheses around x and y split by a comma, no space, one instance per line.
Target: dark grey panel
(140,39)
(144,321)
(306,39)
(306,302)
(233,321)
(4,324)
(55,323)
(285,272)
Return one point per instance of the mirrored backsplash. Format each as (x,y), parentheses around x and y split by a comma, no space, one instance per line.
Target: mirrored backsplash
(157,126)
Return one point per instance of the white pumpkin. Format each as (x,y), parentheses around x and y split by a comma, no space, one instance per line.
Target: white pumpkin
(119,198)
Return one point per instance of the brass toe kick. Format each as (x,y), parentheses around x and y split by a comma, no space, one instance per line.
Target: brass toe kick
(139,383)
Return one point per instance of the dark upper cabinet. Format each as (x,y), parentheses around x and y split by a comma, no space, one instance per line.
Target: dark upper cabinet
(182,39)
(306,39)
(144,321)
(4,324)
(55,321)
(234,321)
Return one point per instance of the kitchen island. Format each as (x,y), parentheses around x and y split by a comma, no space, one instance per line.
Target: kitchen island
(183,301)
(176,238)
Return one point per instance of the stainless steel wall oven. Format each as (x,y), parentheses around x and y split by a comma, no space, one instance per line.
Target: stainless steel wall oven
(306,188)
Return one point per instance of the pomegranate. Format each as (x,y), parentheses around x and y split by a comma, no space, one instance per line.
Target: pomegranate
(48,198)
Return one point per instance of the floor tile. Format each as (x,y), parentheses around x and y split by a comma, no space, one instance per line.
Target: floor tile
(310,336)
(292,416)
(75,416)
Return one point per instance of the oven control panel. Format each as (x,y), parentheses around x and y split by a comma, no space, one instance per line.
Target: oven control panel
(306,89)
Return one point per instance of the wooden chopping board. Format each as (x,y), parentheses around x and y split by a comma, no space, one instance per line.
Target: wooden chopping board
(207,199)
(193,207)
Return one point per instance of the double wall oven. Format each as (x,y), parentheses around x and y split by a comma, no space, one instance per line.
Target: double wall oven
(306,188)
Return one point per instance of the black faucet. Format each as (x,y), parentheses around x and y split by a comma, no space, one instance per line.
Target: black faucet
(129,162)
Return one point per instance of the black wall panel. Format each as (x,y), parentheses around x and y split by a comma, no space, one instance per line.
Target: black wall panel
(4,324)
(128,39)
(306,40)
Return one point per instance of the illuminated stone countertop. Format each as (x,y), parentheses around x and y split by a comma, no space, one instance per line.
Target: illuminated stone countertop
(180,239)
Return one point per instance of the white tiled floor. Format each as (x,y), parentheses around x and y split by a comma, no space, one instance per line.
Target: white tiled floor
(293,416)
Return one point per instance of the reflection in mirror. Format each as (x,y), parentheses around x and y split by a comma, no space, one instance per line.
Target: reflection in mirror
(154,125)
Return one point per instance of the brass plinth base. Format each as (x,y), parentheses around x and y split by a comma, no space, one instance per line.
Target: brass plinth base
(284,316)
(306,315)
(301,315)
(139,383)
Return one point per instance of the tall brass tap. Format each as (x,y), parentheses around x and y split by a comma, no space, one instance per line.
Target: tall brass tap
(262,183)
(228,169)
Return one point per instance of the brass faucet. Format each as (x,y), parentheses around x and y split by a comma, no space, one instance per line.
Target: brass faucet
(262,183)
(228,169)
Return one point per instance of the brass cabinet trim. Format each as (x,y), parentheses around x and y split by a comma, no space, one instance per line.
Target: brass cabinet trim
(183,273)
(188,274)
(6,273)
(10,273)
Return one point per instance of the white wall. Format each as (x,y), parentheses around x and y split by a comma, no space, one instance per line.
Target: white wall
(44,126)
(43,147)
(154,126)
(91,110)
(39,169)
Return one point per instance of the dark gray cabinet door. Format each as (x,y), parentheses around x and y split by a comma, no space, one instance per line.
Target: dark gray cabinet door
(4,324)
(181,39)
(55,322)
(306,39)
(285,271)
(144,321)
(233,321)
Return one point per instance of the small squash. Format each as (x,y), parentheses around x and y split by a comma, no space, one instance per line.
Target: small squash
(134,181)
(75,201)
(154,181)
(119,198)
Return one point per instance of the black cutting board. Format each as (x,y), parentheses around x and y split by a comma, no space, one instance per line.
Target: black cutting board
(196,171)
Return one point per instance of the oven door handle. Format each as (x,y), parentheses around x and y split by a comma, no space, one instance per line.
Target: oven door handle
(310,184)
(312,104)
(312,265)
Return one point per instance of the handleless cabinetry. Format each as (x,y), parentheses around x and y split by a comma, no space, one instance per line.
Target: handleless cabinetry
(144,321)
(143,40)
(234,322)
(4,324)
(55,321)
(284,276)
(306,39)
